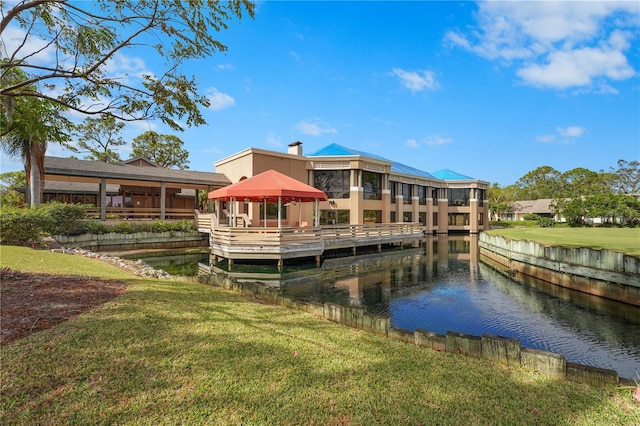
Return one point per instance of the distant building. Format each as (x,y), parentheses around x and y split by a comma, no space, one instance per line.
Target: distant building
(541,207)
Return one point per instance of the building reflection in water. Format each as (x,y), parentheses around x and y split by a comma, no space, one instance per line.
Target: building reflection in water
(441,286)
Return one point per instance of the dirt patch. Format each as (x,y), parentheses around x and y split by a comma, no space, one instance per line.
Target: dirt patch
(34,302)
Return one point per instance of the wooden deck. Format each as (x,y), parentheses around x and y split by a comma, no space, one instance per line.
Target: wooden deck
(296,242)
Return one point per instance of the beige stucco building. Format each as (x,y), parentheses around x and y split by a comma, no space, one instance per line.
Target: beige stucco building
(363,188)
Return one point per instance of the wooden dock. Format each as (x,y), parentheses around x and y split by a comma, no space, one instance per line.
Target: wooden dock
(269,243)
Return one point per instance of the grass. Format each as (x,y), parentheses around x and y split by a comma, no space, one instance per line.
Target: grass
(184,353)
(626,240)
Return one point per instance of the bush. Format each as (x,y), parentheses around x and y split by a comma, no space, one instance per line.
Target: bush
(125,228)
(63,219)
(93,227)
(21,226)
(546,222)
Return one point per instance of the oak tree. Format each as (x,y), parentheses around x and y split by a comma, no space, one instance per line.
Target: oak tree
(163,150)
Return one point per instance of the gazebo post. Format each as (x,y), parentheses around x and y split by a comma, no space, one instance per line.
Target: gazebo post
(279,211)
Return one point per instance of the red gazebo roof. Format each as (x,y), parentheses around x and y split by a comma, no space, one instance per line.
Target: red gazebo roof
(268,186)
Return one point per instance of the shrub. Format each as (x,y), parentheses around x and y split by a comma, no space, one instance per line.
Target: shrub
(93,227)
(21,226)
(124,228)
(63,219)
(160,226)
(546,222)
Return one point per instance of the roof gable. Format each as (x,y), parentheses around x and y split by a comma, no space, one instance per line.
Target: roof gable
(139,161)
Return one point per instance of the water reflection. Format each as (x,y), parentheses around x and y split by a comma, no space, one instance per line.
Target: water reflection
(443,287)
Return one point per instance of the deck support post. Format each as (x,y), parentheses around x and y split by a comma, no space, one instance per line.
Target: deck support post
(280,265)
(379,248)
(354,250)
(318,261)
(230,264)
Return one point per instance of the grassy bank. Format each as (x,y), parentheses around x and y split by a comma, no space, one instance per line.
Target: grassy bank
(179,352)
(626,240)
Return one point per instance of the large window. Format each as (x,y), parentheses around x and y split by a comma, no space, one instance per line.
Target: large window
(422,195)
(372,183)
(482,194)
(459,196)
(334,183)
(334,217)
(406,193)
(372,216)
(458,219)
(394,191)
(422,218)
(434,196)
(407,217)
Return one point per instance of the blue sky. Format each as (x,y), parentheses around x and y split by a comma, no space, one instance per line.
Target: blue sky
(491,90)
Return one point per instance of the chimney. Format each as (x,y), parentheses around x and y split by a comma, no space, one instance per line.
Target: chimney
(295,148)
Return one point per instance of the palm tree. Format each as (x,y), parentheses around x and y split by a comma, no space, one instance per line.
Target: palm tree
(32,154)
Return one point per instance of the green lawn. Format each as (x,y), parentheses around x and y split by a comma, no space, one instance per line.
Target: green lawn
(626,240)
(184,353)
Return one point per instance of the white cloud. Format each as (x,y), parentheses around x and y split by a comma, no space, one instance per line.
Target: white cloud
(314,128)
(555,44)
(123,67)
(219,100)
(546,138)
(437,140)
(571,131)
(578,67)
(411,143)
(27,46)
(563,135)
(224,67)
(416,81)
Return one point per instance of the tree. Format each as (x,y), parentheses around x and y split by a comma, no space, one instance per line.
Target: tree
(543,182)
(9,182)
(627,177)
(500,200)
(163,150)
(27,125)
(83,42)
(97,135)
(580,182)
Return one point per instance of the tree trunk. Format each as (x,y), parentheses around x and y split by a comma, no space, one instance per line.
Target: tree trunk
(34,182)
(36,173)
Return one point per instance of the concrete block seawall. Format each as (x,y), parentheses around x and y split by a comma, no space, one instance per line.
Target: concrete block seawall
(603,273)
(496,348)
(136,241)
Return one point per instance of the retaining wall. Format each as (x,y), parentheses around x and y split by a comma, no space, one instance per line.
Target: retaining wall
(499,349)
(603,273)
(115,242)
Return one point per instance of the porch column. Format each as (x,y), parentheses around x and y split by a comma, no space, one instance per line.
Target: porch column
(163,199)
(317,221)
(103,199)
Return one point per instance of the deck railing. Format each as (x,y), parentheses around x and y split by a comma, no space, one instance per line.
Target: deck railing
(141,213)
(328,235)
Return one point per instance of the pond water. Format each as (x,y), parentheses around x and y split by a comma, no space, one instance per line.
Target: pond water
(442,287)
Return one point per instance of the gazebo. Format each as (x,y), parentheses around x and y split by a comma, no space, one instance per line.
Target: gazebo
(268,187)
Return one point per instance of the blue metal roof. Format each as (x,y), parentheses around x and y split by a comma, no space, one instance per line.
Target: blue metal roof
(339,150)
(446,174)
